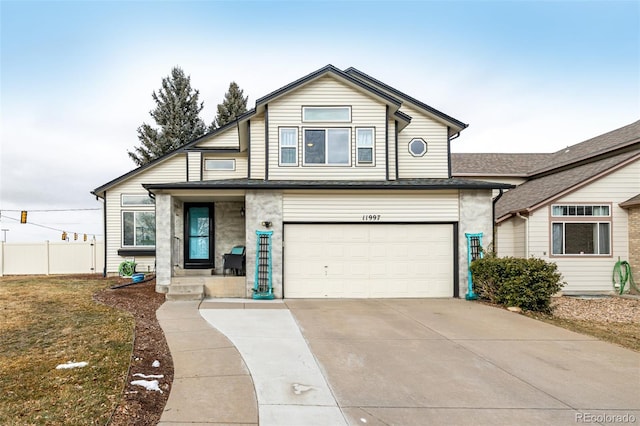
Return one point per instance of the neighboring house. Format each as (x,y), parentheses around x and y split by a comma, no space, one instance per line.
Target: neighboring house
(348,177)
(578,207)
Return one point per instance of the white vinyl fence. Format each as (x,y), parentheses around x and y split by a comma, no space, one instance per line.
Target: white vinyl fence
(51,258)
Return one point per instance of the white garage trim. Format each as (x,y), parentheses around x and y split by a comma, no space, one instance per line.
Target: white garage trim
(378,260)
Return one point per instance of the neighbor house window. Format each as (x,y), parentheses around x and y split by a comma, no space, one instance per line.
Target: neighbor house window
(327,146)
(289,146)
(136,200)
(138,228)
(364,145)
(227,164)
(585,230)
(340,114)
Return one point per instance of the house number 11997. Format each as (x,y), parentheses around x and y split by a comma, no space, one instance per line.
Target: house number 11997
(370,217)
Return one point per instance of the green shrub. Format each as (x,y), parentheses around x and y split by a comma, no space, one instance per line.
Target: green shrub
(511,281)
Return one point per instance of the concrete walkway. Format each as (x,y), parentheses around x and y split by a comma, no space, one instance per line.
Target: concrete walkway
(383,362)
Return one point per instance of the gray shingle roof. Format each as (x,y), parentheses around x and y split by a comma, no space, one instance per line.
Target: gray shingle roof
(496,164)
(538,190)
(631,202)
(330,184)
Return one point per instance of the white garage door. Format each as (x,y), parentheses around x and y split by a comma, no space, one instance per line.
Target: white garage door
(368,260)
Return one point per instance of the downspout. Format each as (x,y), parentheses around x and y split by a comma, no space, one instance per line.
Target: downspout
(493,221)
(104,227)
(526,234)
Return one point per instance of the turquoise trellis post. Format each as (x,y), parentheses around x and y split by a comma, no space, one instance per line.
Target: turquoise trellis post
(474,251)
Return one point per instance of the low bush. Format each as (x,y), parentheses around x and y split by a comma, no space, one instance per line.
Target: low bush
(511,281)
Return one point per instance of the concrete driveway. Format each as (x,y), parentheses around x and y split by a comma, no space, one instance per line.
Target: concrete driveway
(391,362)
(448,361)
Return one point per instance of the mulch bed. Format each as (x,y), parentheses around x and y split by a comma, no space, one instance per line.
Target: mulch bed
(140,406)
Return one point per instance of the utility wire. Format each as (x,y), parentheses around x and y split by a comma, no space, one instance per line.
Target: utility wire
(51,228)
(51,210)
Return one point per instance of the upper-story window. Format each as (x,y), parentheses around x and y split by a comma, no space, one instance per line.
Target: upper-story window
(139,200)
(330,146)
(288,146)
(581,229)
(324,114)
(220,164)
(364,145)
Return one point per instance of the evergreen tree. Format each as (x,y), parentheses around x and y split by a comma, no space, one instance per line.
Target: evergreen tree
(176,114)
(233,105)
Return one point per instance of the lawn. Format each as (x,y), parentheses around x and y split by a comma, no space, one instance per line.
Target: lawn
(48,321)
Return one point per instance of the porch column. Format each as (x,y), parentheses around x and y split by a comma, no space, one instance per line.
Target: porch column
(164,241)
(475,217)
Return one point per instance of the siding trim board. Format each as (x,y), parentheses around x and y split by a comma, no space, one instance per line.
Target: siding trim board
(266,142)
(396,149)
(386,142)
(249,149)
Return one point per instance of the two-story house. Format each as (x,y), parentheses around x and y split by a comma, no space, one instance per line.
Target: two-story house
(337,185)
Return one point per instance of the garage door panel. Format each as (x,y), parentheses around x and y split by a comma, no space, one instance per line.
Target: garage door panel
(368,260)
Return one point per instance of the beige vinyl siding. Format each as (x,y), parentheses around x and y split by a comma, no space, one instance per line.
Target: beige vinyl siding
(511,237)
(326,91)
(226,139)
(172,169)
(194,160)
(239,173)
(434,164)
(351,206)
(590,273)
(256,149)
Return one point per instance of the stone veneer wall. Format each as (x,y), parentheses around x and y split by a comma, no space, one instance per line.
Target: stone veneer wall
(634,241)
(476,215)
(261,206)
(164,241)
(229,230)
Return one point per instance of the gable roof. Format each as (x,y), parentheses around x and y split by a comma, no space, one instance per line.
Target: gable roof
(455,126)
(631,202)
(344,76)
(534,192)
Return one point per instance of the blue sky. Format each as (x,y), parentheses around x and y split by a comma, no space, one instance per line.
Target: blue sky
(76,77)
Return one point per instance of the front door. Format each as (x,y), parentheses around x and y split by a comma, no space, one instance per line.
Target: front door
(198,236)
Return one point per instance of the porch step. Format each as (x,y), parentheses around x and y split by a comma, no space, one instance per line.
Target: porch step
(179,272)
(229,286)
(193,289)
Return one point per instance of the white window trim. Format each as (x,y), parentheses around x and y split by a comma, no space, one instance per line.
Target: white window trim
(280,146)
(135,212)
(576,205)
(305,108)
(123,203)
(209,162)
(326,148)
(372,147)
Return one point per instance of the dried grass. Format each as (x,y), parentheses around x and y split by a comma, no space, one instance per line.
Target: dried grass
(46,321)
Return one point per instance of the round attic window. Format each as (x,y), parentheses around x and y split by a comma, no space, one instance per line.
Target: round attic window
(417,147)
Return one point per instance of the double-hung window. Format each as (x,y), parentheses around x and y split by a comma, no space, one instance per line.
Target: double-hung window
(329,146)
(581,229)
(288,146)
(364,145)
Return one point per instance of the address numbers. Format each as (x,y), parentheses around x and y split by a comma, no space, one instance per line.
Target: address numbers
(371,217)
